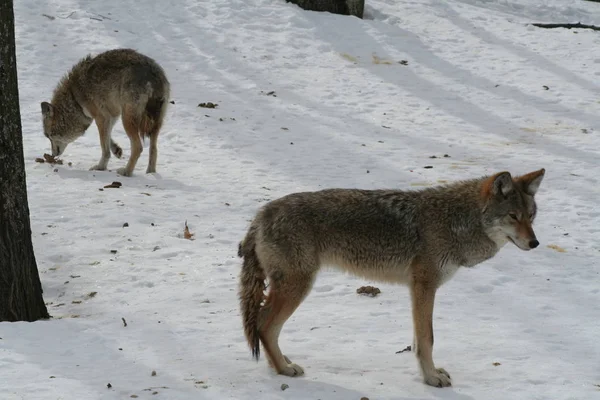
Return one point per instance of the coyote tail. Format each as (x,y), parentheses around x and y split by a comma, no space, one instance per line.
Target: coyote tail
(153,115)
(251,292)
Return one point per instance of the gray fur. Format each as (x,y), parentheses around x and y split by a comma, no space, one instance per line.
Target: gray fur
(115,83)
(419,238)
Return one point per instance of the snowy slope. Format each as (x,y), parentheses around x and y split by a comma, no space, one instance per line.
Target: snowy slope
(345,113)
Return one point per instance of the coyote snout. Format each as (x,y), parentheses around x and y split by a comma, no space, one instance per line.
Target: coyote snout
(524,236)
(57,148)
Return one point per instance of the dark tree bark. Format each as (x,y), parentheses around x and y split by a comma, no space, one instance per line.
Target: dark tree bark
(20,287)
(344,7)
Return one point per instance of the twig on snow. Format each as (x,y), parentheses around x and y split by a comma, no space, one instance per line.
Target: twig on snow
(567,26)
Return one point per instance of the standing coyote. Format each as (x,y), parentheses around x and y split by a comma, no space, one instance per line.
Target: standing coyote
(116,82)
(418,238)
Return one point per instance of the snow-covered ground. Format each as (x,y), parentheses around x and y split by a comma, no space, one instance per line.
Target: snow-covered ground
(306,101)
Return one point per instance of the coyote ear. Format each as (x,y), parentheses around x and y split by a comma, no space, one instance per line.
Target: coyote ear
(502,184)
(47,109)
(531,181)
(499,184)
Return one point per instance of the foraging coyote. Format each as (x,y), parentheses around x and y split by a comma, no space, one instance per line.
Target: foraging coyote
(419,238)
(116,82)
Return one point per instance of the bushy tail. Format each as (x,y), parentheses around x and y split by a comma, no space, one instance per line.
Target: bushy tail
(153,116)
(251,292)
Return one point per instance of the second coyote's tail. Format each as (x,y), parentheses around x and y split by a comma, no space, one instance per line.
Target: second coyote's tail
(153,116)
(251,291)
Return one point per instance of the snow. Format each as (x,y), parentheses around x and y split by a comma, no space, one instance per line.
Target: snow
(480,85)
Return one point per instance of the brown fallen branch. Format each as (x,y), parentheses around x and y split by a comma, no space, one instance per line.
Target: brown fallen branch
(568,26)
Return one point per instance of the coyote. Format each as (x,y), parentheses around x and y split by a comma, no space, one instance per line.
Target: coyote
(418,238)
(116,82)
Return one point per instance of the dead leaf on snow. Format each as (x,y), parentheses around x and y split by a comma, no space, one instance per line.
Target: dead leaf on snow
(186,232)
(557,248)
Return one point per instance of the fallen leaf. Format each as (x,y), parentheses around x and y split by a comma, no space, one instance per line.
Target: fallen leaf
(349,57)
(186,232)
(368,290)
(50,159)
(115,185)
(377,60)
(557,248)
(208,105)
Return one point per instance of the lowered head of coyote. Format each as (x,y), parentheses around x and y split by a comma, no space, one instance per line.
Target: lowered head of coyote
(115,83)
(418,238)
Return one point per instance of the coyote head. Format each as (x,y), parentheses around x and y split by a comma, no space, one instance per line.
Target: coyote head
(509,208)
(62,126)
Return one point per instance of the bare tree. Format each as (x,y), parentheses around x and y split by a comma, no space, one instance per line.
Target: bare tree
(20,287)
(344,7)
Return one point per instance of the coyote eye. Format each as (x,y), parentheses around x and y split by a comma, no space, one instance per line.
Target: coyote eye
(513,216)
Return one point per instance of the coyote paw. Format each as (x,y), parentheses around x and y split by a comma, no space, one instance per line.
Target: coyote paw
(98,167)
(124,172)
(439,378)
(151,170)
(291,369)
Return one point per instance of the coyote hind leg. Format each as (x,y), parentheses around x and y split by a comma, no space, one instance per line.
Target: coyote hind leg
(153,147)
(285,295)
(131,123)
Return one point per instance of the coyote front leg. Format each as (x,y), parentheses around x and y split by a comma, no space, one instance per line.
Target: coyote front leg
(105,125)
(423,296)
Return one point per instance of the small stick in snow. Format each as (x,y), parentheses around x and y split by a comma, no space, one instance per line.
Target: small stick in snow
(124,322)
(68,16)
(101,16)
(567,26)
(407,348)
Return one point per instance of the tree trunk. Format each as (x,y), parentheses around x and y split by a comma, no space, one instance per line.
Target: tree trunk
(20,287)
(344,7)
